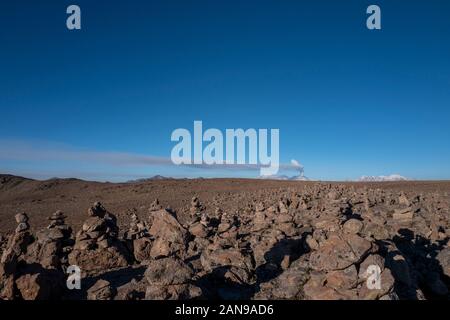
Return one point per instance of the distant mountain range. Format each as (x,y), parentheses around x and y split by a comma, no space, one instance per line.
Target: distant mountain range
(392,177)
(11,179)
(157,177)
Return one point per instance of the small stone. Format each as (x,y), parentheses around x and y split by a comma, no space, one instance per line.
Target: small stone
(403,216)
(55,234)
(101,290)
(155,206)
(23,226)
(311,242)
(285,262)
(94,234)
(97,210)
(105,243)
(353,226)
(58,215)
(403,200)
(342,279)
(259,207)
(21,218)
(84,244)
(198,230)
(333,195)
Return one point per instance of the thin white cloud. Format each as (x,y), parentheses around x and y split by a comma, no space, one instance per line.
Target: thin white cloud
(17,150)
(41,152)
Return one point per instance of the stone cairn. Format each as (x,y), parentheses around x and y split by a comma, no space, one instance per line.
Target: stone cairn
(199,226)
(9,259)
(137,229)
(227,232)
(52,244)
(22,220)
(139,239)
(57,220)
(99,230)
(18,242)
(97,246)
(405,213)
(196,208)
(155,206)
(228,227)
(274,236)
(167,275)
(22,275)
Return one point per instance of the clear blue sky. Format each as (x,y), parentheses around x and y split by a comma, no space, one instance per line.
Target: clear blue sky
(348,101)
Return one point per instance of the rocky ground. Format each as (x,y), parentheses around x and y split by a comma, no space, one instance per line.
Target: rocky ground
(224,239)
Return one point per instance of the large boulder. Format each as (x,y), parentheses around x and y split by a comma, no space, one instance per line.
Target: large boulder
(170,236)
(40,284)
(226,257)
(288,285)
(170,278)
(100,259)
(168,271)
(339,252)
(316,289)
(444,260)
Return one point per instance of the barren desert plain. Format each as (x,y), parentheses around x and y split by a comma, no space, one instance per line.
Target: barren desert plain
(224,239)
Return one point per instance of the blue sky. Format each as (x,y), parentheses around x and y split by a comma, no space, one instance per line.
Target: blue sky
(348,101)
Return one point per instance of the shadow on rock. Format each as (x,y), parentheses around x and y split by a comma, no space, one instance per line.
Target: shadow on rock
(413,260)
(233,283)
(116,278)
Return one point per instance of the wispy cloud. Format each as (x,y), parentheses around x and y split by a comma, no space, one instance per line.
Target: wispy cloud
(17,150)
(42,152)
